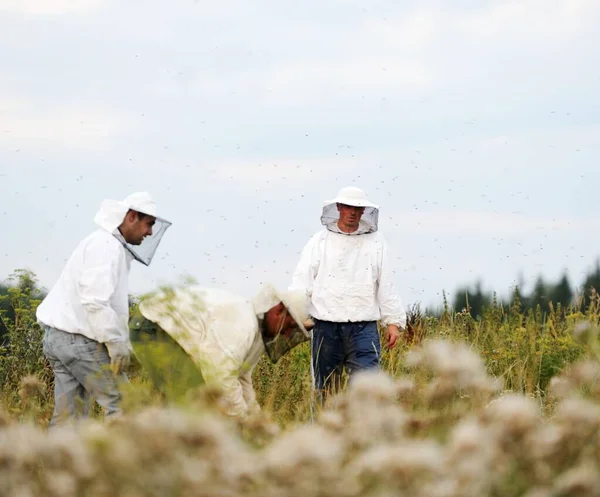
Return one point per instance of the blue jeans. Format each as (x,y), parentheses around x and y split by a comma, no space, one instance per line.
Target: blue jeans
(81,372)
(335,345)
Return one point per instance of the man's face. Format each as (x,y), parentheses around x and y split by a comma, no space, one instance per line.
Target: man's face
(279,320)
(350,216)
(136,227)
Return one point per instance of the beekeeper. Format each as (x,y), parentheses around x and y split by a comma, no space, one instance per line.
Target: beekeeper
(85,315)
(345,271)
(193,335)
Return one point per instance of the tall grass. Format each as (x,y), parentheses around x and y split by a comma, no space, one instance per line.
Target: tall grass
(524,349)
(506,405)
(444,428)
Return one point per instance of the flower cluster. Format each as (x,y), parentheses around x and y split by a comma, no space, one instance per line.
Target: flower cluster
(375,439)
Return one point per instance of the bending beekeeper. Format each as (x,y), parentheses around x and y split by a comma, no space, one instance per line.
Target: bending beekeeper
(193,335)
(345,271)
(85,315)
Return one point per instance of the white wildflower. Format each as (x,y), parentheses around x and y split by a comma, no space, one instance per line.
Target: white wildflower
(539,492)
(332,420)
(307,446)
(405,387)
(468,437)
(584,331)
(515,414)
(402,464)
(374,385)
(61,484)
(470,457)
(560,387)
(586,373)
(584,479)
(578,415)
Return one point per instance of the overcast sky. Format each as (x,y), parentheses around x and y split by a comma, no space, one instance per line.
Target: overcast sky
(475,126)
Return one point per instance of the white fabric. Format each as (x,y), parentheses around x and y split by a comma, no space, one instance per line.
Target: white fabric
(112,213)
(220,332)
(354,196)
(351,195)
(295,302)
(91,294)
(349,278)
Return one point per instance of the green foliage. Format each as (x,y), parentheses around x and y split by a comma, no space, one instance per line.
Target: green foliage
(525,346)
(21,352)
(543,294)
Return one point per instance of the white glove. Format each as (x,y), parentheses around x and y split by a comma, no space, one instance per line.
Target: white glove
(120,353)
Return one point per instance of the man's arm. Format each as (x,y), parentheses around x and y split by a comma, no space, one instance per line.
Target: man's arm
(307,267)
(97,286)
(393,314)
(225,377)
(249,393)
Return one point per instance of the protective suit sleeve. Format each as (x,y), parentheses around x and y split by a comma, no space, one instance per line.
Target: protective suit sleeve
(307,267)
(249,393)
(390,305)
(222,372)
(233,395)
(98,283)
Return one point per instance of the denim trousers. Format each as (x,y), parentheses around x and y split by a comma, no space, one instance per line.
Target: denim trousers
(353,345)
(82,373)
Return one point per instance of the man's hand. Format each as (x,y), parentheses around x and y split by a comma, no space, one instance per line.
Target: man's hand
(119,353)
(392,333)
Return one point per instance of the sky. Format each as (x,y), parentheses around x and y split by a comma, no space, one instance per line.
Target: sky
(474,125)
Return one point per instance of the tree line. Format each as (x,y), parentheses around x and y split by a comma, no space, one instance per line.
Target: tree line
(472,299)
(544,295)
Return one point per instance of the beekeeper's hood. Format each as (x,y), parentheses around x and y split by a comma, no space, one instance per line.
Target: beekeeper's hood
(354,196)
(296,302)
(112,213)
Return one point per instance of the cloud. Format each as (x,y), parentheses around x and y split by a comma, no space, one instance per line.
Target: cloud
(47,7)
(412,31)
(529,20)
(486,223)
(272,171)
(316,81)
(78,128)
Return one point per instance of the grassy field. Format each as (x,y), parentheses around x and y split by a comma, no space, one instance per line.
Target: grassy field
(507,405)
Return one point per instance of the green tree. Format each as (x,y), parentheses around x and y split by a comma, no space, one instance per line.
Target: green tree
(592,281)
(475,301)
(21,352)
(539,295)
(561,293)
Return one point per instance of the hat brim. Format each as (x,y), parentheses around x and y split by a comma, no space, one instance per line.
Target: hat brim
(302,324)
(352,202)
(142,211)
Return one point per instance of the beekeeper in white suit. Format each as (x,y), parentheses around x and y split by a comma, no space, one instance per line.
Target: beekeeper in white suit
(218,334)
(85,315)
(346,272)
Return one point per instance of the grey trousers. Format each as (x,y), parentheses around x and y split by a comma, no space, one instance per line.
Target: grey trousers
(81,374)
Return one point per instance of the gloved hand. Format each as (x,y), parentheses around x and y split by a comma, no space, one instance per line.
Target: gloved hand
(120,353)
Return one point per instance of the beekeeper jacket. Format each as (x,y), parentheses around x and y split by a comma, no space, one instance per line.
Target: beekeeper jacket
(91,294)
(220,331)
(349,278)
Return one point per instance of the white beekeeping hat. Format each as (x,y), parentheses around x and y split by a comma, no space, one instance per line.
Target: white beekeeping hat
(296,302)
(112,213)
(351,195)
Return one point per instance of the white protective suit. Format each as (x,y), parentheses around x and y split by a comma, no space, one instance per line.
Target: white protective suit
(91,295)
(348,277)
(221,332)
